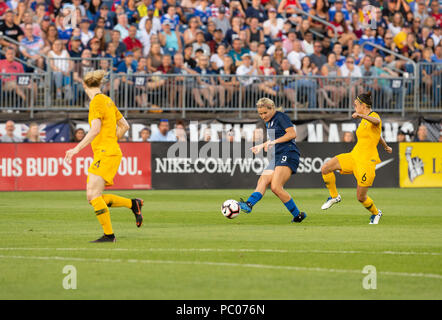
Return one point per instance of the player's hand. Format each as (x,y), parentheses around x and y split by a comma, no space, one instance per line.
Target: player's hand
(355,115)
(268,145)
(388,149)
(69,155)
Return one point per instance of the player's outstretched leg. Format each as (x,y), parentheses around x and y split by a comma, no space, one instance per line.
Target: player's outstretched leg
(135,205)
(261,187)
(330,182)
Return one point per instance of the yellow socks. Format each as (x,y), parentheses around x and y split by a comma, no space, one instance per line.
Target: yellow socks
(103,215)
(116,201)
(370,206)
(330,183)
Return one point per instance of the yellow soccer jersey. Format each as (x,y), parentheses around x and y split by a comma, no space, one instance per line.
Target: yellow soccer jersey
(368,138)
(102,107)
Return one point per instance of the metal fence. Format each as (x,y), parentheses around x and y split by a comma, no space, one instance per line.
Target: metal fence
(61,89)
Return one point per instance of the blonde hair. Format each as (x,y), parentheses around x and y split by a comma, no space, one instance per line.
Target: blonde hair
(268,104)
(94,79)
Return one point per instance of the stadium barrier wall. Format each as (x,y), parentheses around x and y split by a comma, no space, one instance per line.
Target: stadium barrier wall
(203,168)
(41,166)
(420,164)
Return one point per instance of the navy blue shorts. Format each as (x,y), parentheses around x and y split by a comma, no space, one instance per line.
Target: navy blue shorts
(287,159)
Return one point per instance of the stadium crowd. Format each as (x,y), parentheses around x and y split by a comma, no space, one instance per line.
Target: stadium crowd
(230,37)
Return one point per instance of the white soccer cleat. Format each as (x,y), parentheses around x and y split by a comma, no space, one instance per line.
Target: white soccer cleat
(331,201)
(374,219)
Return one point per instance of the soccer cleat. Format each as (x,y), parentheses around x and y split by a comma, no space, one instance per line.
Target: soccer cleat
(105,238)
(245,206)
(136,209)
(301,216)
(374,219)
(331,201)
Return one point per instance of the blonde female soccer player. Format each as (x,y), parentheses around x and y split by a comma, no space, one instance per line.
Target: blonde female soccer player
(361,161)
(284,163)
(107,126)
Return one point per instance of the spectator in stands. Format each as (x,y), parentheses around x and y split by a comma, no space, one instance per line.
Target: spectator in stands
(217,59)
(422,134)
(277,59)
(99,34)
(295,56)
(217,40)
(320,10)
(401,136)
(172,17)
(440,136)
(189,61)
(332,85)
(33,134)
(227,77)
(61,67)
(31,47)
(9,65)
(436,12)
(222,21)
(200,44)
(189,34)
(237,52)
(75,47)
(145,134)
(207,87)
(79,134)
(317,58)
(155,58)
(171,39)
(163,134)
(28,18)
(247,69)
(345,36)
(131,41)
(10,136)
(257,57)
(254,32)
(180,131)
(276,44)
(267,83)
(95,45)
(308,44)
(256,10)
(383,86)
(122,26)
(10,29)
(308,85)
(337,50)
(348,137)
(273,26)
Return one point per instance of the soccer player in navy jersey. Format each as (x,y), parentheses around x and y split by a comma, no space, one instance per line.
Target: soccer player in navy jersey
(284,162)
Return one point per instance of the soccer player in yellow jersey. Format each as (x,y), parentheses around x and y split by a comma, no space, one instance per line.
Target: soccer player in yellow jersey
(361,161)
(107,126)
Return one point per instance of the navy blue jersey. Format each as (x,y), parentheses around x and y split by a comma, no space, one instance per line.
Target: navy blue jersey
(276,129)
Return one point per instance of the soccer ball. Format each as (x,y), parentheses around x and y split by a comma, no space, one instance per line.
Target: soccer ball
(230,209)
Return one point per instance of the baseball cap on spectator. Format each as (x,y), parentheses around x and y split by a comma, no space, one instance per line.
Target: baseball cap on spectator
(47,18)
(272,10)
(129,53)
(104,6)
(75,38)
(85,20)
(222,9)
(151,7)
(166,22)
(246,55)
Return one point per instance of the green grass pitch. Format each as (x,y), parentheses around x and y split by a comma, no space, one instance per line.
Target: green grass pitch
(186,249)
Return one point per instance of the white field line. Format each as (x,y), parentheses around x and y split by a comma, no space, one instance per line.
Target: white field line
(220,264)
(229,250)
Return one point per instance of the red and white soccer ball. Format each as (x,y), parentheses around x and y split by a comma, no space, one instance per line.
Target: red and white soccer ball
(230,209)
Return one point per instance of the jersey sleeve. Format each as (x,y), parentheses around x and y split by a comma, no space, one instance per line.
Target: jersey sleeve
(118,114)
(375,115)
(96,110)
(285,121)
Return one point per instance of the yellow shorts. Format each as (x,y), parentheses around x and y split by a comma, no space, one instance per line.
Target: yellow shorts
(364,172)
(105,167)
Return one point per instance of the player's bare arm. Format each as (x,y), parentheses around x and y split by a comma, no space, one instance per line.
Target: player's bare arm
(385,145)
(90,136)
(122,127)
(373,120)
(289,135)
